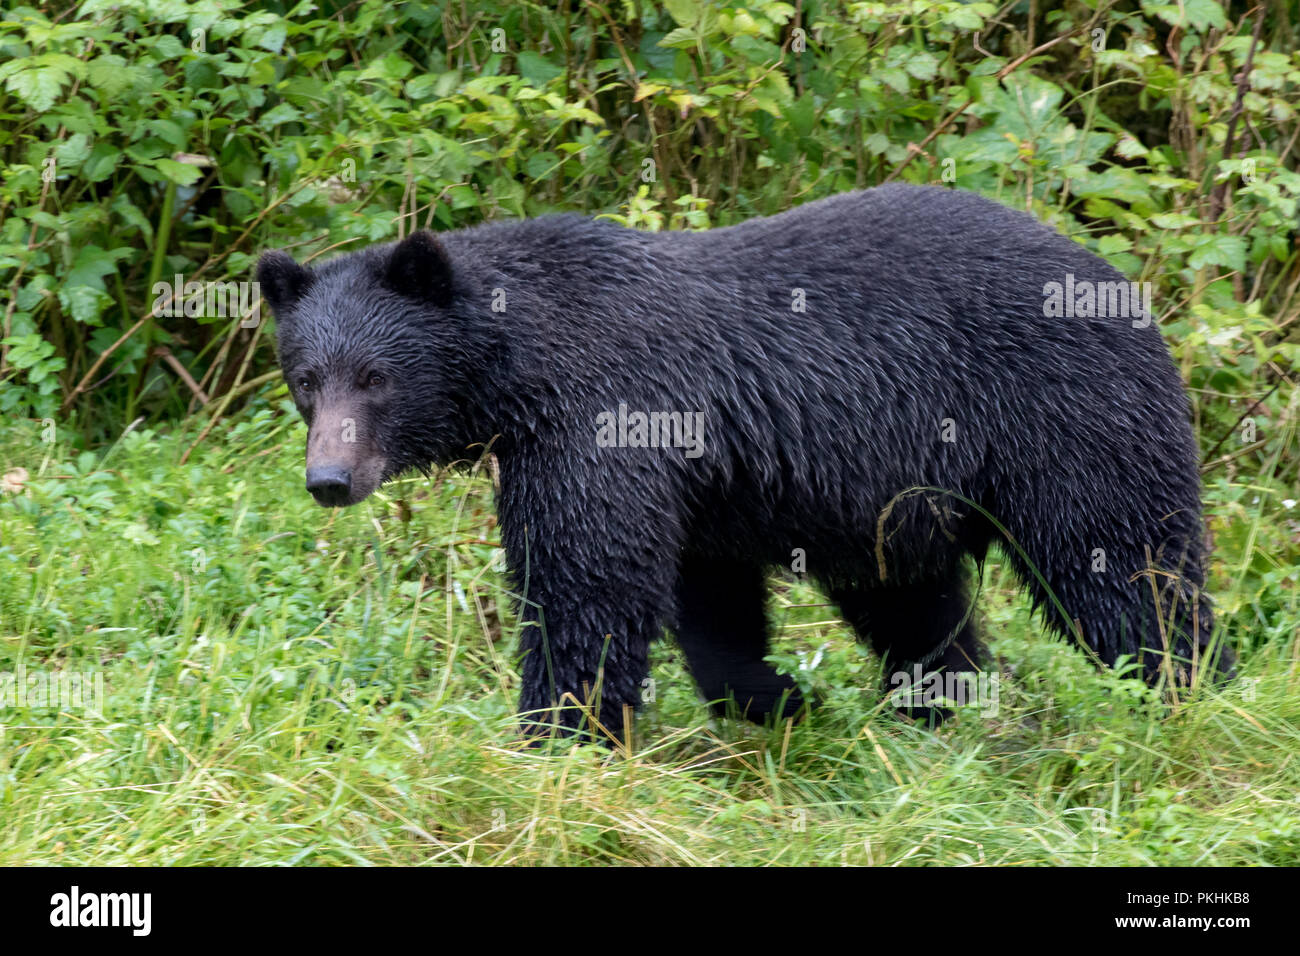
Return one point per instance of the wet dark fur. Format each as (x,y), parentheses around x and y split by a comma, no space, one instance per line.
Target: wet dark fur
(922,305)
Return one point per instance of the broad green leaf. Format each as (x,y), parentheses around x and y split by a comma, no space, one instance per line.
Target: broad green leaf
(536,69)
(37,87)
(1218,250)
(682,38)
(182,174)
(922,65)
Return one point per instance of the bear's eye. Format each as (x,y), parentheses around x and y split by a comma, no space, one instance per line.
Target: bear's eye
(304,383)
(374,380)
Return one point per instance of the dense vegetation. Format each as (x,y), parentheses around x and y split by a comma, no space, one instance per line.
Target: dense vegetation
(287,684)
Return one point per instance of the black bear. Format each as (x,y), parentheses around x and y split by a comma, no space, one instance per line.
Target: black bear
(867,388)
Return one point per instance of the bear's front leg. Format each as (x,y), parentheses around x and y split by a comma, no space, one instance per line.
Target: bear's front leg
(583,670)
(592,552)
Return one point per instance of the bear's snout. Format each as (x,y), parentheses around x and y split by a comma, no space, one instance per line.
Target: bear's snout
(330,485)
(344,464)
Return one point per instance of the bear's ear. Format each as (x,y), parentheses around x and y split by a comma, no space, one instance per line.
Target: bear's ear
(419,268)
(281,281)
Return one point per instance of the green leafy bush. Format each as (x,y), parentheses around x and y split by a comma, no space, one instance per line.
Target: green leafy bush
(147,139)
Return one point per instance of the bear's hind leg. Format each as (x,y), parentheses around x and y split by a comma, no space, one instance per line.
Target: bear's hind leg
(721,627)
(923,632)
(1125,579)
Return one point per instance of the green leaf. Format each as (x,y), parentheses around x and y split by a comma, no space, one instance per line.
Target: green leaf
(422,86)
(182,174)
(1218,250)
(83,293)
(26,351)
(84,304)
(1115,183)
(1173,220)
(278,115)
(1199,14)
(107,74)
(1113,243)
(968,16)
(272,37)
(73,151)
(922,65)
(682,38)
(168,131)
(37,87)
(684,12)
(803,115)
(536,69)
(92,264)
(138,533)
(894,78)
(169,47)
(1130,148)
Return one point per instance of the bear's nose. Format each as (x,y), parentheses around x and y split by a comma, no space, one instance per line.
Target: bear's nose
(330,485)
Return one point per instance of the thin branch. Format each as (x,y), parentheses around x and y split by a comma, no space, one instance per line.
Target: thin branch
(1218,196)
(164,353)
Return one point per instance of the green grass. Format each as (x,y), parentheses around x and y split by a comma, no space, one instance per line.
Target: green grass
(285,684)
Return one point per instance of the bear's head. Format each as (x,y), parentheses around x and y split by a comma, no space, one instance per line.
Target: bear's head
(378,354)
